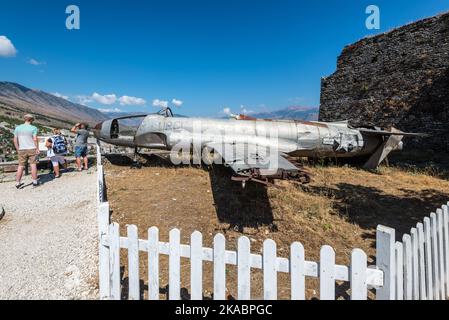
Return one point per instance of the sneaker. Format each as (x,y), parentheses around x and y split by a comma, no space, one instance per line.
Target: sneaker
(37,184)
(19,185)
(57,177)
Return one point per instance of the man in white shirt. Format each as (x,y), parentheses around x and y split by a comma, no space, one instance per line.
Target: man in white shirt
(25,141)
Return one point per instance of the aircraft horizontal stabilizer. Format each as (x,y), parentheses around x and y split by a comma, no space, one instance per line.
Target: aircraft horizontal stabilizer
(393,132)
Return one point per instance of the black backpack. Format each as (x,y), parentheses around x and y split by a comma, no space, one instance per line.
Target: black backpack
(59,146)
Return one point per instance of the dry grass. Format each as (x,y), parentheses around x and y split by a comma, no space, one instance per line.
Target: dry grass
(341,207)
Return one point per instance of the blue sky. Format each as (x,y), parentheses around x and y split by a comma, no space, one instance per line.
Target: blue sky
(209,54)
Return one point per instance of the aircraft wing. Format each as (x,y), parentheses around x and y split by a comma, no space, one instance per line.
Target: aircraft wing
(245,158)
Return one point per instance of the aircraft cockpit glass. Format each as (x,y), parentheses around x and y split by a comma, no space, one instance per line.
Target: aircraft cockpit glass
(126,127)
(166,112)
(114,129)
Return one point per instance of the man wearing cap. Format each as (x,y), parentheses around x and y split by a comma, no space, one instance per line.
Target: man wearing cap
(25,141)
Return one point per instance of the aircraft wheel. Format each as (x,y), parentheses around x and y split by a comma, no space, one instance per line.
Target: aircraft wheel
(136,165)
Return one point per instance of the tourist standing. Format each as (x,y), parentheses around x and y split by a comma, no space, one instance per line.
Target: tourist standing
(82,134)
(26,144)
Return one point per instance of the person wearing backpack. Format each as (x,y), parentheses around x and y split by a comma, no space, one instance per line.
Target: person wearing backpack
(56,150)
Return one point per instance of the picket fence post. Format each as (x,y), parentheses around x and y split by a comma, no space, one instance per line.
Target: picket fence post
(219,267)
(269,270)
(385,261)
(428,258)
(297,271)
(100,185)
(174,261)
(98,146)
(408,269)
(114,260)
(399,255)
(244,268)
(441,254)
(415,264)
(327,273)
(103,261)
(133,263)
(359,265)
(446,245)
(435,260)
(153,263)
(196,265)
(422,268)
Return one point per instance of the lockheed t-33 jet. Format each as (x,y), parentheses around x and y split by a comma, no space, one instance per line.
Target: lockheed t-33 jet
(257,150)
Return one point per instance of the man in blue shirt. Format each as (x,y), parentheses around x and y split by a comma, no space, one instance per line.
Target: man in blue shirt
(25,141)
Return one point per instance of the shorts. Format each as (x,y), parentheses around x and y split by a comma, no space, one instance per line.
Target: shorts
(27,156)
(80,152)
(57,160)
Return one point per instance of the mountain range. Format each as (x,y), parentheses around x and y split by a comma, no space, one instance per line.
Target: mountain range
(290,113)
(15,100)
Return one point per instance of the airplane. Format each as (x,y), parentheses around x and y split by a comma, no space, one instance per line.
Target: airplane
(259,150)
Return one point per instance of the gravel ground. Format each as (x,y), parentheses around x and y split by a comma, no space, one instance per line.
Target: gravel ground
(48,239)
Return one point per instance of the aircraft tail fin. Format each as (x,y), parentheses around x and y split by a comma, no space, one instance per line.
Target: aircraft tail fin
(393,142)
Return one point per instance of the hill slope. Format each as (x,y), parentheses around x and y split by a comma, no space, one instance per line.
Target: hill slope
(16,99)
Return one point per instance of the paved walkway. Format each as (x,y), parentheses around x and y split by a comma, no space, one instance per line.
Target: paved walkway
(48,239)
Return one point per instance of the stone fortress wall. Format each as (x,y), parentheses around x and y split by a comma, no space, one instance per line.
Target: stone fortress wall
(399,78)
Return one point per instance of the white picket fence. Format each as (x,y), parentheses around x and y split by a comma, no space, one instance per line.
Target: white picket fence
(420,263)
(358,273)
(417,268)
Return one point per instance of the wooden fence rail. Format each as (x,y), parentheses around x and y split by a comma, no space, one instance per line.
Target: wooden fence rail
(415,268)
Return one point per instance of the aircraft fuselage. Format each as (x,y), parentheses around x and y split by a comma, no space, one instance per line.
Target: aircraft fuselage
(295,138)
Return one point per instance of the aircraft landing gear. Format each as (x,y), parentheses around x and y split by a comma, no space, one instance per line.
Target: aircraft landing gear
(255,175)
(136,164)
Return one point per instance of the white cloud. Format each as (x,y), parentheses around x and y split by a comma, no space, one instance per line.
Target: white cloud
(110,99)
(34,62)
(160,103)
(107,99)
(84,100)
(177,103)
(110,110)
(245,111)
(131,101)
(227,111)
(57,94)
(7,49)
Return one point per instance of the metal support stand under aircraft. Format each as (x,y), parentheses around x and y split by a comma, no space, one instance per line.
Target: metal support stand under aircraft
(136,164)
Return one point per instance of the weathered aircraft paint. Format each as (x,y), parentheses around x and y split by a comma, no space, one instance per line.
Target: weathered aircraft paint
(256,149)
